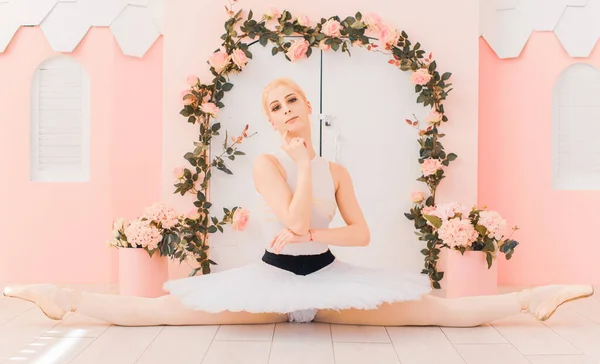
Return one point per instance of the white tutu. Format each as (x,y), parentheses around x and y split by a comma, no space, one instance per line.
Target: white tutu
(263,288)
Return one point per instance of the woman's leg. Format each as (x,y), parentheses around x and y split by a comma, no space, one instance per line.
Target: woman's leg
(130,311)
(460,312)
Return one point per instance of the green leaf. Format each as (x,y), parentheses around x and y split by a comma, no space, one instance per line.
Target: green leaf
(446,76)
(228,86)
(215,127)
(250,15)
(201,197)
(425,251)
(409,216)
(451,157)
(237,152)
(481,229)
(436,285)
(212,229)
(358,16)
(434,220)
(488,258)
(274,51)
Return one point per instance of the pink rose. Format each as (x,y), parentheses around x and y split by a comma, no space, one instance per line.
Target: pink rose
(240,219)
(192,80)
(273,13)
(219,60)
(304,21)
(430,166)
(178,172)
(239,58)
(420,77)
(458,232)
(210,108)
(434,117)
(187,100)
(297,50)
(428,210)
(417,196)
(193,214)
(388,36)
(373,21)
(323,46)
(332,28)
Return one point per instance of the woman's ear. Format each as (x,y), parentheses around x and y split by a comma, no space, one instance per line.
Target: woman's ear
(309,107)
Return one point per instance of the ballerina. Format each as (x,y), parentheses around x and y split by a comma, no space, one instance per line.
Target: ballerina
(298,278)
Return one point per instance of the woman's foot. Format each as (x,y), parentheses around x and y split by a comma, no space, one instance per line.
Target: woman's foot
(543,301)
(53,300)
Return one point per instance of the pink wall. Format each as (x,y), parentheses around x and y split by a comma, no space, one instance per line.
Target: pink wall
(57,232)
(558,243)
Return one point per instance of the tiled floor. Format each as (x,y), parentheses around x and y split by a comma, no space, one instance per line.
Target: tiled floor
(571,336)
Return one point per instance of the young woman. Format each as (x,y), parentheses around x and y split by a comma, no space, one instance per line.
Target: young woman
(299,279)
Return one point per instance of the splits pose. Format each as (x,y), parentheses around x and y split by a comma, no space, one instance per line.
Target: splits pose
(298,278)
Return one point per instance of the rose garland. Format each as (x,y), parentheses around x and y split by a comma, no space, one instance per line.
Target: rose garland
(203,101)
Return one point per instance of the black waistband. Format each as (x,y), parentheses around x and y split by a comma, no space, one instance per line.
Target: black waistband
(299,264)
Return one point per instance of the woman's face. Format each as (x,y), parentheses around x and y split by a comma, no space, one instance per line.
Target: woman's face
(287,110)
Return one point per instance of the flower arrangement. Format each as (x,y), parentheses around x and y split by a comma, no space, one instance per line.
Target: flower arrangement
(202,101)
(161,229)
(453,226)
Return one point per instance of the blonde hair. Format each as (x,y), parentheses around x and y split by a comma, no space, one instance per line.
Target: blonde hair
(277,82)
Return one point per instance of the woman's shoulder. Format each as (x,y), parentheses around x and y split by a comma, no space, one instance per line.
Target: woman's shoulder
(267,161)
(339,173)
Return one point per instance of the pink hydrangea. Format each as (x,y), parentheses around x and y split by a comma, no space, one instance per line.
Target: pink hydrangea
(493,222)
(457,232)
(159,212)
(141,234)
(449,210)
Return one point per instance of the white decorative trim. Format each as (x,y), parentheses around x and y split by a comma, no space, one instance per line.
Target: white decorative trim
(65,32)
(503,24)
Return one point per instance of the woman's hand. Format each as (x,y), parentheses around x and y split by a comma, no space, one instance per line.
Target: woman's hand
(286,236)
(296,148)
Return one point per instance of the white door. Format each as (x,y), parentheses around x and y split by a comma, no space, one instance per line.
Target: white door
(367,100)
(243,106)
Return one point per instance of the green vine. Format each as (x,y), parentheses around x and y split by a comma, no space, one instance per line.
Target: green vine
(203,100)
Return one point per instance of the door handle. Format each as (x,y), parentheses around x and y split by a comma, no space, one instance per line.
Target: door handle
(326,119)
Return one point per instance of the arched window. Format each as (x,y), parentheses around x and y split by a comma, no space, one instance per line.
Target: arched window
(60,122)
(575,129)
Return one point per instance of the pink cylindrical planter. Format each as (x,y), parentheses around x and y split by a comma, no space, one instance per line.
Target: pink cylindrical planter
(466,275)
(141,275)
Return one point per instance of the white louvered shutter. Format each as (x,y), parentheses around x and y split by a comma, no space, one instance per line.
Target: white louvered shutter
(60,122)
(575,129)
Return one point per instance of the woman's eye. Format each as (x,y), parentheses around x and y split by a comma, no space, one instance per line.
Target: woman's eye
(275,108)
(293,99)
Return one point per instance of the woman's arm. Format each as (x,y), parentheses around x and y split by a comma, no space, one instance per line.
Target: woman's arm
(292,209)
(356,233)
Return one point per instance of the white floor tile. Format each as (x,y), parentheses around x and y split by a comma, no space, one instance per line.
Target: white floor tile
(76,325)
(55,350)
(238,352)
(359,334)
(580,331)
(245,333)
(485,334)
(179,344)
(302,343)
(361,353)
(490,354)
(423,345)
(118,345)
(560,359)
(532,337)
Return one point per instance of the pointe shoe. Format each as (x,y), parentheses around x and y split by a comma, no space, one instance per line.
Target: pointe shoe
(45,296)
(549,298)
